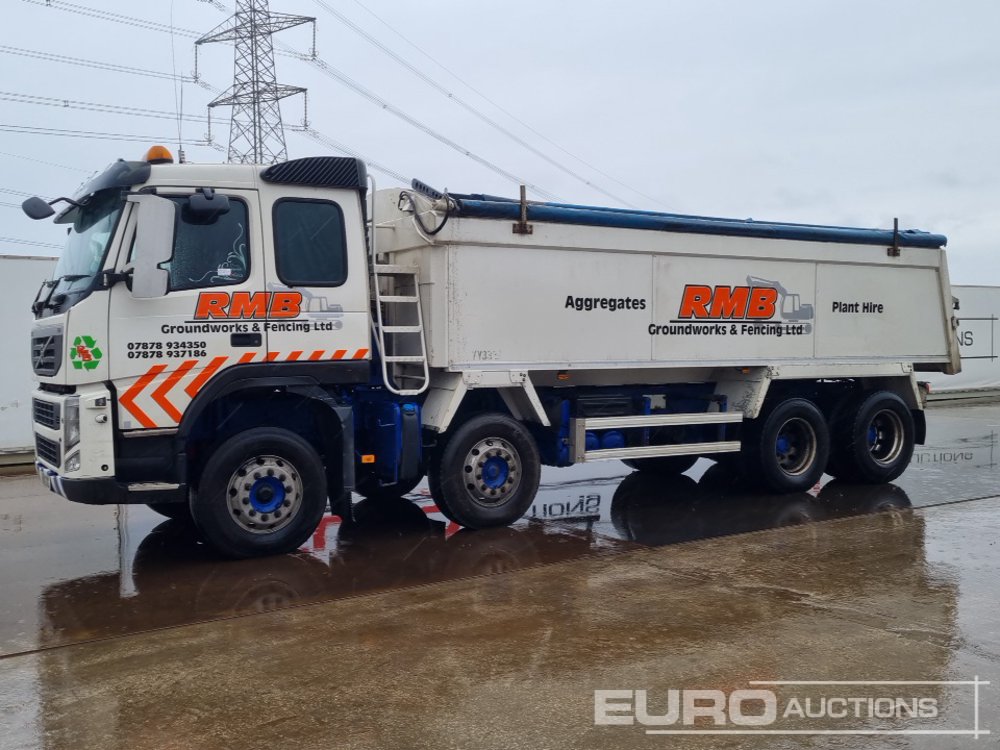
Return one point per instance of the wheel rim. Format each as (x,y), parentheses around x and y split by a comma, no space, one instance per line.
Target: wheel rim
(885,437)
(795,447)
(264,494)
(492,471)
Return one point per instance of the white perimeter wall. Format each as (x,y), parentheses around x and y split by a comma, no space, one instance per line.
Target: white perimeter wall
(20,277)
(979,340)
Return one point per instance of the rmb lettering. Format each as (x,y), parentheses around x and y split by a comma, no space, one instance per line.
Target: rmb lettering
(249,312)
(759,308)
(727,303)
(248,305)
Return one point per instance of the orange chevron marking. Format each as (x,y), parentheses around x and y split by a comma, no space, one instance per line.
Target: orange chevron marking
(316,355)
(293,356)
(271,356)
(127,399)
(248,357)
(339,354)
(195,386)
(360,354)
(161,393)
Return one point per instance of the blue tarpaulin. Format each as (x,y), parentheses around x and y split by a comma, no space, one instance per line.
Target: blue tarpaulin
(491,207)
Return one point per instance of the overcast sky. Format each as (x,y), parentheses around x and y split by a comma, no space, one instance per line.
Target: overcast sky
(842,112)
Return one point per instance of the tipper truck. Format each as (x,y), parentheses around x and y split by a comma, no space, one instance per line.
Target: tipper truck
(245,346)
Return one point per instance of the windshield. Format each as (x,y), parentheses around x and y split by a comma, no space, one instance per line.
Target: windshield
(89,235)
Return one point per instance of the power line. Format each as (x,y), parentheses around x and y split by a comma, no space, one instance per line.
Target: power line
(328,70)
(30,243)
(336,146)
(500,107)
(104,15)
(53,57)
(341,77)
(41,161)
(216,4)
(23,194)
(50,101)
(464,104)
(89,134)
(346,80)
(309,132)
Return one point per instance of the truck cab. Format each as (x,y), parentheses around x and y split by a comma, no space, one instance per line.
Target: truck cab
(185,294)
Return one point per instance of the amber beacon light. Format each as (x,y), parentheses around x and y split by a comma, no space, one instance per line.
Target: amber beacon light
(159,155)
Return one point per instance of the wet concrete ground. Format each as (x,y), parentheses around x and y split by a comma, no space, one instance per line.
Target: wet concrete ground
(117,629)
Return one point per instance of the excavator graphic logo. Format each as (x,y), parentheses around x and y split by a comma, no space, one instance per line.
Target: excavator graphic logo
(789,305)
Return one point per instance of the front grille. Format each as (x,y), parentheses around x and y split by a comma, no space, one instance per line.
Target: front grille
(47,450)
(46,352)
(46,413)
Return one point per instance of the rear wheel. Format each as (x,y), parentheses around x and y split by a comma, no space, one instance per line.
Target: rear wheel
(487,472)
(789,446)
(873,439)
(263,492)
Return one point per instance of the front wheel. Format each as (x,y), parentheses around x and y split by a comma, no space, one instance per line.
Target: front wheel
(790,446)
(263,492)
(487,472)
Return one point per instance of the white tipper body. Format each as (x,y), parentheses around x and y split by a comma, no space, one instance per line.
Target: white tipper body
(576,305)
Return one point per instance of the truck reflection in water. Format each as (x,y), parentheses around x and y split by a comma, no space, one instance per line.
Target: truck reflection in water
(174,579)
(396,545)
(655,511)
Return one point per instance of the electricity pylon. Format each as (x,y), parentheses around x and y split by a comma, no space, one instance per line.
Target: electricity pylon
(256,134)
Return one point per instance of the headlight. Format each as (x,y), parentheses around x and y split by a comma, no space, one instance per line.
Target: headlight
(71,420)
(73,462)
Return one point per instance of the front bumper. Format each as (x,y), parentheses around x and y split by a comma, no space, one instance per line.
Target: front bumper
(74,434)
(107,491)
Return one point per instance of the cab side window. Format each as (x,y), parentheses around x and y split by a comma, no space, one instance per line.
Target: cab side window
(310,243)
(209,250)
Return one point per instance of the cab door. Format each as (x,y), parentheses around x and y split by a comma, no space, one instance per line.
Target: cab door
(318,265)
(166,350)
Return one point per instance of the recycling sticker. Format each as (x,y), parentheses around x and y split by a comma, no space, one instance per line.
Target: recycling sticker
(85,353)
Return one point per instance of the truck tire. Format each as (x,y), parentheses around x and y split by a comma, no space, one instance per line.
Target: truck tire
(789,446)
(173,511)
(873,439)
(664,466)
(487,472)
(263,492)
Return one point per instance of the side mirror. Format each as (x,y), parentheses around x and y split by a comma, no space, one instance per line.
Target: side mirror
(37,209)
(154,245)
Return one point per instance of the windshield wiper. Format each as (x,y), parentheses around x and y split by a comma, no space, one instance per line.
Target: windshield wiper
(39,304)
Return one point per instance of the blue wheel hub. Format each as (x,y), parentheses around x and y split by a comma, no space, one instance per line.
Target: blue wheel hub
(267,494)
(492,471)
(495,472)
(872,435)
(782,445)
